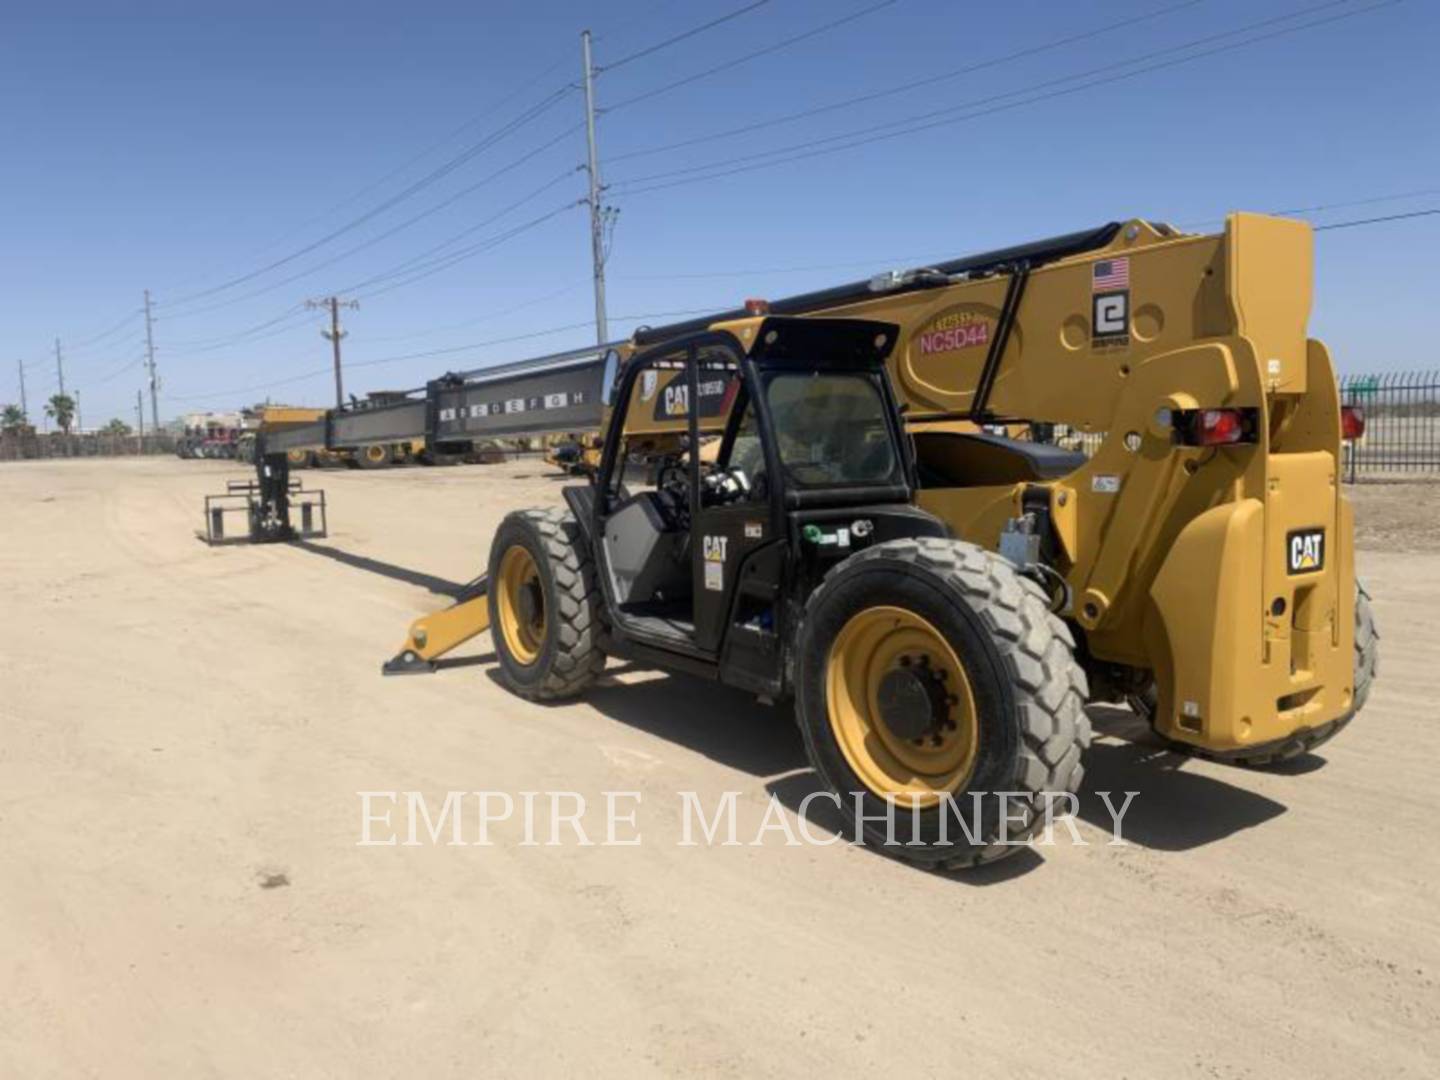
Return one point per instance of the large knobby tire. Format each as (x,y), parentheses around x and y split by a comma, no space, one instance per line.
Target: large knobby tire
(544,605)
(1367,664)
(373,456)
(967,650)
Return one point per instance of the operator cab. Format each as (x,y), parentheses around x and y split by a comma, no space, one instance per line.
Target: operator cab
(737,460)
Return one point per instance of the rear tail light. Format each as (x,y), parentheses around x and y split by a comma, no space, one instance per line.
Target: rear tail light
(1352,422)
(1219,427)
(1215,427)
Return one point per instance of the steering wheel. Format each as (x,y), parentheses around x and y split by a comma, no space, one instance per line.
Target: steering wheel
(674,477)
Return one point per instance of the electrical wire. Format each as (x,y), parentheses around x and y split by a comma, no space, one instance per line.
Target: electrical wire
(1326,207)
(425,271)
(972,110)
(219,340)
(435,175)
(914,84)
(683,36)
(430,353)
(421,155)
(272,286)
(490,317)
(107,333)
(118,371)
(1377,220)
(730,65)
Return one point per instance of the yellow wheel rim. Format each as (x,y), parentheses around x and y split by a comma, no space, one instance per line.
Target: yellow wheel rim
(375,453)
(521,602)
(911,767)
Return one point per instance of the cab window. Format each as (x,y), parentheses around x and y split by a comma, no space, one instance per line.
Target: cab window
(832,430)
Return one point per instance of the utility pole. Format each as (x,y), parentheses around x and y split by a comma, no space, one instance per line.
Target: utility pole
(59,366)
(24,405)
(333,335)
(598,214)
(150,366)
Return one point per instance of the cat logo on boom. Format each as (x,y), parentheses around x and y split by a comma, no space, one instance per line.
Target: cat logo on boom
(1305,550)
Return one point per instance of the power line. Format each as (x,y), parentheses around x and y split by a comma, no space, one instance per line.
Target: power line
(87,342)
(1326,207)
(454,133)
(428,353)
(129,366)
(972,110)
(914,84)
(257,330)
(436,266)
(108,346)
(425,354)
(435,175)
(453,239)
(490,317)
(641,16)
(1376,220)
(783,43)
(416,265)
(684,35)
(904,260)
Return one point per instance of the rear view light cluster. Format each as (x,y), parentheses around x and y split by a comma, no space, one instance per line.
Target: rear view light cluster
(1215,427)
(1352,422)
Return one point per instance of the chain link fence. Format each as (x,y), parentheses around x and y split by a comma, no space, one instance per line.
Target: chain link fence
(31,445)
(1402,425)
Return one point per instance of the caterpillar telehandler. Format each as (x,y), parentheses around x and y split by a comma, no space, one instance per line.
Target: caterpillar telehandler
(823,497)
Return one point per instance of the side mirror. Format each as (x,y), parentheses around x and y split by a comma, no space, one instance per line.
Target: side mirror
(610,378)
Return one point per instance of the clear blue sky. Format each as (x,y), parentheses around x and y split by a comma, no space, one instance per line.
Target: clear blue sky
(180,144)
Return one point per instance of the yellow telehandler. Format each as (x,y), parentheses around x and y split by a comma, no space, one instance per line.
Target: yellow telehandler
(824,498)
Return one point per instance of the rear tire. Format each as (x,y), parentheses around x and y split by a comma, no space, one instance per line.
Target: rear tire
(1025,712)
(544,605)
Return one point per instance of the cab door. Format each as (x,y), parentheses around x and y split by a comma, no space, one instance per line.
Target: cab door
(737,546)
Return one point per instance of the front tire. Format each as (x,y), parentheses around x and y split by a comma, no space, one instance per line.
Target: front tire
(544,605)
(929,672)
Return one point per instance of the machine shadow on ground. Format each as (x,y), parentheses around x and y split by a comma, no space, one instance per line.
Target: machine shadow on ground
(437,585)
(1178,805)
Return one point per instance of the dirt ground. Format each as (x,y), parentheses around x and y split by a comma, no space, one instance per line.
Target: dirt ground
(183,733)
(1396,516)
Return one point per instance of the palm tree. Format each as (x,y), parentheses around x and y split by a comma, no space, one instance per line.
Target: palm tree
(12,418)
(61,408)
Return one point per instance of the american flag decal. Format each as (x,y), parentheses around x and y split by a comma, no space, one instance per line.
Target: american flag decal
(1111,274)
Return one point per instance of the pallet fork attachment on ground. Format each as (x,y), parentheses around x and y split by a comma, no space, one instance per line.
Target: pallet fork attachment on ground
(432,636)
(267,503)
